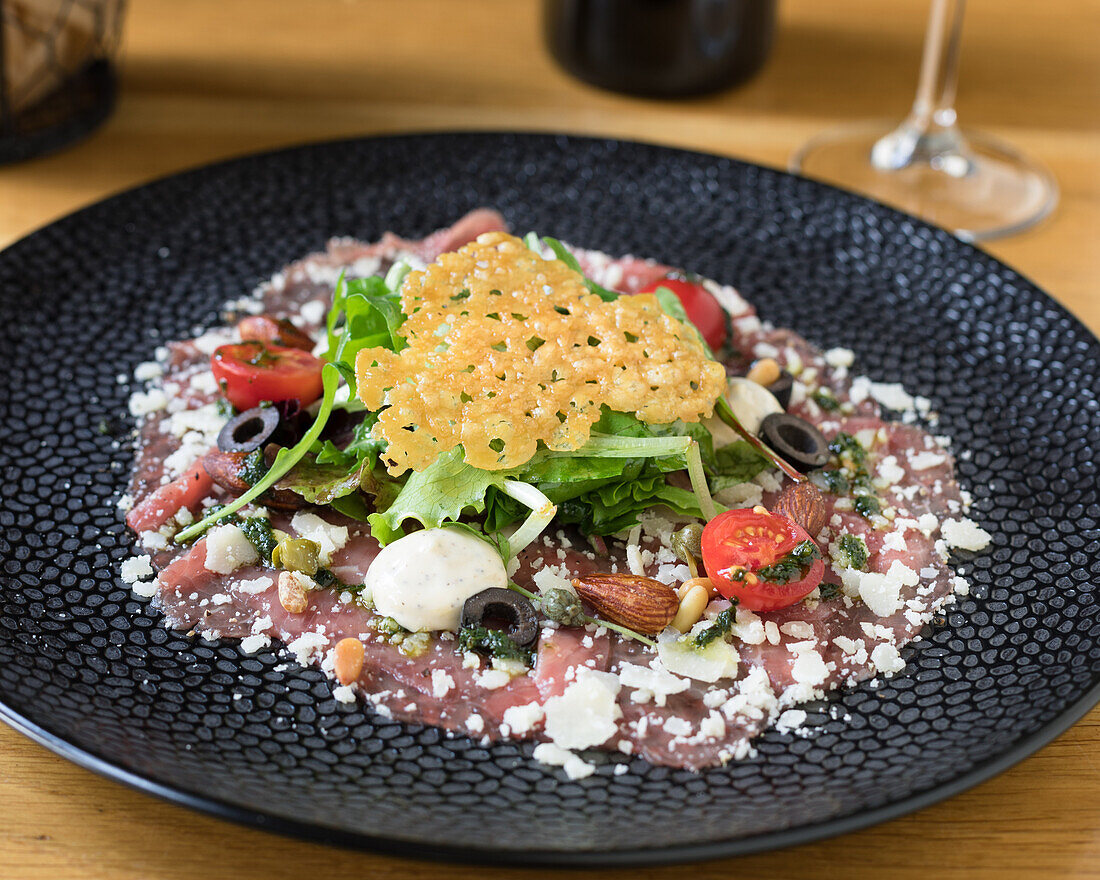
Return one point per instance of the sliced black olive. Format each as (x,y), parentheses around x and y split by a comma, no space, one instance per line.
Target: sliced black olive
(795,440)
(781,388)
(250,430)
(503,609)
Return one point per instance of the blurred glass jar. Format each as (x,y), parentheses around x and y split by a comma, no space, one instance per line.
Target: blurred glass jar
(57,75)
(660,48)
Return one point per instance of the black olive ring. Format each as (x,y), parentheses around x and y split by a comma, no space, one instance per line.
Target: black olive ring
(781,388)
(497,604)
(248,431)
(795,440)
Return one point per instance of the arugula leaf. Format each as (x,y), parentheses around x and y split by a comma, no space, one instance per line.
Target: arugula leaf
(372,318)
(736,463)
(283,464)
(562,253)
(671,305)
(362,446)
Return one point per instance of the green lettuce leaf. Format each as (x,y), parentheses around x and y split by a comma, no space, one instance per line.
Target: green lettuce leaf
(440,493)
(618,506)
(322,483)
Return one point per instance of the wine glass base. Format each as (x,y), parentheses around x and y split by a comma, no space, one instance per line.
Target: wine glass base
(985,190)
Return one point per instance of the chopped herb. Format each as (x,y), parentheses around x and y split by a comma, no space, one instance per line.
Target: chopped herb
(224,408)
(792,565)
(825,398)
(262,357)
(828,591)
(253,468)
(845,446)
(256,528)
(326,579)
(491,641)
(835,481)
(851,552)
(867,506)
(259,532)
(861,482)
(723,623)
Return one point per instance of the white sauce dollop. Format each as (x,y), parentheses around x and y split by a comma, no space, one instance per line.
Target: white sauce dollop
(423,579)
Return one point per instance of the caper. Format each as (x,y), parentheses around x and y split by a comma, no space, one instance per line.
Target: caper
(297,554)
(687,543)
(562,606)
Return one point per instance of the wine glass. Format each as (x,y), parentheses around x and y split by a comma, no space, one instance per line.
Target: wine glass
(971,183)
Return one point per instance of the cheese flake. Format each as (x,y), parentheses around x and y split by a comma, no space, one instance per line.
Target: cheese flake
(585,713)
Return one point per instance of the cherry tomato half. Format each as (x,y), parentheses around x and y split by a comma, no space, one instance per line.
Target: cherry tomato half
(160,506)
(746,541)
(251,372)
(702,308)
(277,331)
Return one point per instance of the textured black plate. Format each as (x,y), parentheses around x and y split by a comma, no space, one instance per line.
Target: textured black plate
(90,672)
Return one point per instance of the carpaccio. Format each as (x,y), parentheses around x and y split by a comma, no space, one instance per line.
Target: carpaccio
(787,657)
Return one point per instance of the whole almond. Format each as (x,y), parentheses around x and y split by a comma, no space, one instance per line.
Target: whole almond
(802,503)
(640,603)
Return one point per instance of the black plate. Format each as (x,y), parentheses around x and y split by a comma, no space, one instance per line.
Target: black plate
(88,671)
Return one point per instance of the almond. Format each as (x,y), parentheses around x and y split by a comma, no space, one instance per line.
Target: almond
(640,603)
(802,503)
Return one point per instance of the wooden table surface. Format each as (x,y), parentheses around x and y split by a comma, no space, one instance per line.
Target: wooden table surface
(207,79)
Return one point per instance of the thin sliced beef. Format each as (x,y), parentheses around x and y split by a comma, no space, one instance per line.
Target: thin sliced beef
(428,680)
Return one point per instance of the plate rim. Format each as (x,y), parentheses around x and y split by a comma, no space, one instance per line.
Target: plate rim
(315,832)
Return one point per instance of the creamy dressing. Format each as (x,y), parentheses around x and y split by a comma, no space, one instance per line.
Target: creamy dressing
(423,579)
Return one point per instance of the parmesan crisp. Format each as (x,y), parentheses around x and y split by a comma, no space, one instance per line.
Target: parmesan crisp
(506,349)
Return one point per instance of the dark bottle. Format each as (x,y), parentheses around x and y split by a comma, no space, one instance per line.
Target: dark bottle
(660,48)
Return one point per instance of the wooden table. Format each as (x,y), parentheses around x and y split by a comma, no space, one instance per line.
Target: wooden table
(207,79)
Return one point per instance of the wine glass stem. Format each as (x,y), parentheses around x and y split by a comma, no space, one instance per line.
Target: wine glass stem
(928,133)
(939,72)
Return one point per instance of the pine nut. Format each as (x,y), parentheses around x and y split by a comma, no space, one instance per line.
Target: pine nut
(692,607)
(701,581)
(764,371)
(347,659)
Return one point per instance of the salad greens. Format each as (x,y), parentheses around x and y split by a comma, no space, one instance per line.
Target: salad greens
(602,488)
